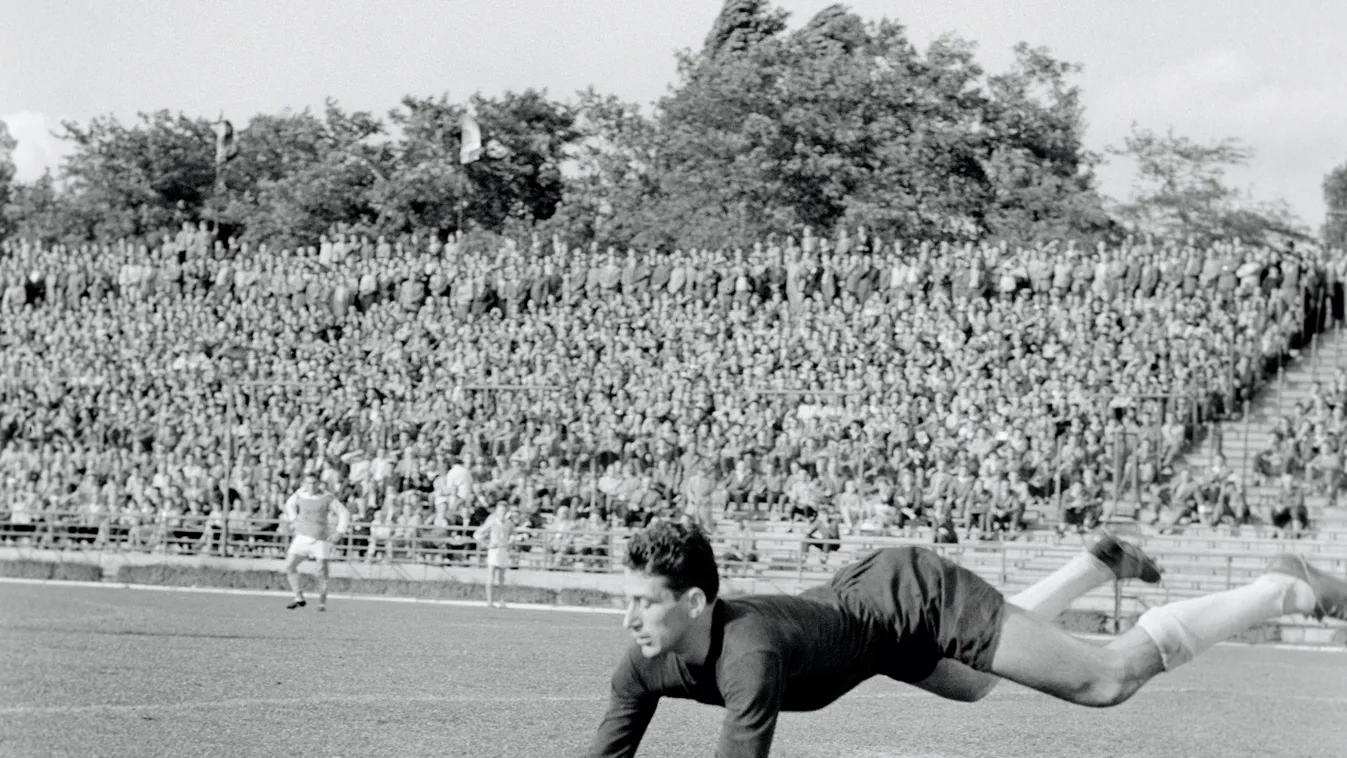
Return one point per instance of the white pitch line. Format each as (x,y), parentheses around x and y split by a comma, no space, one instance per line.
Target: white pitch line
(331,596)
(67,710)
(281,702)
(526,607)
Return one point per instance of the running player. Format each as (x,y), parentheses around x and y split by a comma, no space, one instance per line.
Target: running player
(908,614)
(309,512)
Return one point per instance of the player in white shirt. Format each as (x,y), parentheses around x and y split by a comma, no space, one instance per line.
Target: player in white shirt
(496,535)
(309,512)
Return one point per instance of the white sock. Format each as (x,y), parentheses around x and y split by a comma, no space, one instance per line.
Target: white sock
(1184,629)
(1055,592)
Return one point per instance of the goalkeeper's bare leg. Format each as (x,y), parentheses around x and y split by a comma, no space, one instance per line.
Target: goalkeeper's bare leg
(1106,559)
(1035,653)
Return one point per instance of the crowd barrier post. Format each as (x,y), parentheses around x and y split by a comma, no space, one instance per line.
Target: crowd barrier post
(593,480)
(1057,479)
(1244,459)
(1199,420)
(1327,322)
(1314,357)
(918,496)
(1342,286)
(230,414)
(1136,478)
(1194,422)
(1166,408)
(530,489)
(1280,386)
(1117,466)
(1117,606)
(1217,431)
(1321,316)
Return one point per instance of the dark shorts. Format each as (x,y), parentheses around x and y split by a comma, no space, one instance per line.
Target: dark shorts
(936,608)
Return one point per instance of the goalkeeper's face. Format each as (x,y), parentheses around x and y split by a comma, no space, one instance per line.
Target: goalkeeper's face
(308,485)
(657,617)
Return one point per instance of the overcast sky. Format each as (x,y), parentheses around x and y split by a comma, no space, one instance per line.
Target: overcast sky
(1267,72)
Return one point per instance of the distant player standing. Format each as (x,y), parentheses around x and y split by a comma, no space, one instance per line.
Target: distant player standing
(309,512)
(496,535)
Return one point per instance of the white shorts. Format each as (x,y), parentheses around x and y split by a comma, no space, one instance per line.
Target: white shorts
(498,557)
(320,550)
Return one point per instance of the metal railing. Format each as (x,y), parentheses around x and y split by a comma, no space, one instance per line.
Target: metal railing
(783,549)
(786,549)
(1208,564)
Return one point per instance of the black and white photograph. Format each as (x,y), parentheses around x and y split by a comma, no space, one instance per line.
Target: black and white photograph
(668,378)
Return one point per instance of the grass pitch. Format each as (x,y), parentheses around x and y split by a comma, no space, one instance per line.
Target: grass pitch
(93,671)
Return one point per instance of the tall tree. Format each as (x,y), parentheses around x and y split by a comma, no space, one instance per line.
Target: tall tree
(128,181)
(7,170)
(1335,198)
(300,175)
(844,122)
(425,184)
(611,178)
(35,210)
(1042,176)
(1182,190)
(519,176)
(741,26)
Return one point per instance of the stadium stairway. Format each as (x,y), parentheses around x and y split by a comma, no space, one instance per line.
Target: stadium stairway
(1241,440)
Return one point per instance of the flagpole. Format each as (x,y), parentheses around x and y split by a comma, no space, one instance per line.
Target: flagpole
(470,149)
(214,205)
(215,185)
(224,151)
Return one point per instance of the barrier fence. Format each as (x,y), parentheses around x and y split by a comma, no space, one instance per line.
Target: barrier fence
(780,548)
(1196,566)
(543,548)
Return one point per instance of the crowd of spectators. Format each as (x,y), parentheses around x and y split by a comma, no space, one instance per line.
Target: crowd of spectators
(874,386)
(1306,454)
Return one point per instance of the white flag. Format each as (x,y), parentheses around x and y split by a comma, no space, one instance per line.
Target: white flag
(226,149)
(471,148)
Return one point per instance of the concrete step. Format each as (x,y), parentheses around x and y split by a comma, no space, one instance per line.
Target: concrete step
(1300,634)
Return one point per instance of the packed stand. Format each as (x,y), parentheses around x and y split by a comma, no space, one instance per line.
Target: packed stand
(845,385)
(1306,454)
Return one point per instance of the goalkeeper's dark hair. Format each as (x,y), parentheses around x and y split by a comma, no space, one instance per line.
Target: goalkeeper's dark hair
(682,555)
